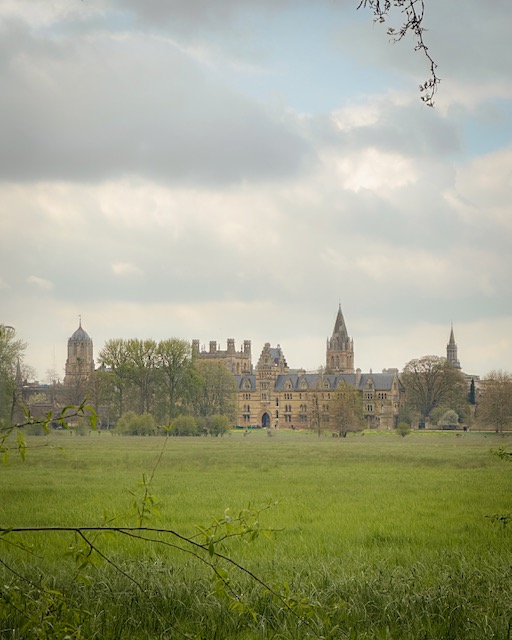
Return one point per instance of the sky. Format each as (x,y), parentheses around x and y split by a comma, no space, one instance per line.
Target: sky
(239,168)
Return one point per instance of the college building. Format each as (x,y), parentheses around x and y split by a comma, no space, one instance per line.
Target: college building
(272,395)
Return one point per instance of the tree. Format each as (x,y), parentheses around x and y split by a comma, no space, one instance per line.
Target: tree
(175,361)
(346,410)
(144,372)
(412,13)
(495,401)
(449,419)
(11,355)
(102,396)
(216,391)
(472,392)
(432,381)
(316,422)
(114,357)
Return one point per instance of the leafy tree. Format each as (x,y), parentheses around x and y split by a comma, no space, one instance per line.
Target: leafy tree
(133,424)
(144,372)
(11,353)
(346,410)
(216,390)
(432,381)
(175,361)
(495,401)
(114,357)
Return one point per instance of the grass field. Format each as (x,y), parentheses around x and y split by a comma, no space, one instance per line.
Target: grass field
(375,536)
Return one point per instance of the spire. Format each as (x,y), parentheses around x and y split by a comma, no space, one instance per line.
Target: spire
(340,348)
(340,328)
(451,351)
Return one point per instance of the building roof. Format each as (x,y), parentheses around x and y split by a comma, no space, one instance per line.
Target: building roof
(312,381)
(80,335)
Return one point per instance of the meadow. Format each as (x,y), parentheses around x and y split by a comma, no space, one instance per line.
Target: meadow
(373,536)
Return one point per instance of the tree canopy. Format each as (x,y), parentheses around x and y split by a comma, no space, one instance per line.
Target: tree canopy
(432,381)
(11,353)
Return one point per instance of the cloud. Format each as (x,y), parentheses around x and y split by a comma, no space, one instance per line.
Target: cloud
(113,105)
(41,283)
(201,170)
(126,269)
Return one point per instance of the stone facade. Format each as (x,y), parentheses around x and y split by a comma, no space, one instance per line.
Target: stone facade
(80,360)
(236,362)
(273,395)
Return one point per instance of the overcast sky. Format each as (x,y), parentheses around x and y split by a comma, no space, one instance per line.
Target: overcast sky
(238,168)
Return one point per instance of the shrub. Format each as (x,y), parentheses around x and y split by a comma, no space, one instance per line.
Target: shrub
(134,424)
(218,425)
(403,429)
(449,418)
(185,426)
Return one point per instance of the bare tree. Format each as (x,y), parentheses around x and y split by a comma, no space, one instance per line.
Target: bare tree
(346,410)
(495,401)
(412,13)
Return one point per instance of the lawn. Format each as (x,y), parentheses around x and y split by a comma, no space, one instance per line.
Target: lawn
(375,536)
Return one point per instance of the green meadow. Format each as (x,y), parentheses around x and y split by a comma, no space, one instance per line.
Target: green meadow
(369,536)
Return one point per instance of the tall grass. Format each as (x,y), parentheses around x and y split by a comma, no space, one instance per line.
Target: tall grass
(375,536)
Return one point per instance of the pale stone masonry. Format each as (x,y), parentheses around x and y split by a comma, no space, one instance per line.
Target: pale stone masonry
(272,395)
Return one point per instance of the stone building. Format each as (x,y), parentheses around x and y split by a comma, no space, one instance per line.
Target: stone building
(236,362)
(79,365)
(275,396)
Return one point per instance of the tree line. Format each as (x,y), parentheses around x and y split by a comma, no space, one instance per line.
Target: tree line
(163,381)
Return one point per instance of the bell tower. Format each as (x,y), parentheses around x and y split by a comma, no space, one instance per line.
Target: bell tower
(80,362)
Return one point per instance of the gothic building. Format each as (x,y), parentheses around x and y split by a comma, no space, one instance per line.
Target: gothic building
(236,362)
(273,395)
(340,348)
(276,396)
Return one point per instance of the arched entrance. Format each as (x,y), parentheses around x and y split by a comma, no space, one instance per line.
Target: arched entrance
(265,420)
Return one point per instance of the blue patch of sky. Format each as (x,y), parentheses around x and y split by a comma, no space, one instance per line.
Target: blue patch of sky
(489,129)
(302,63)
